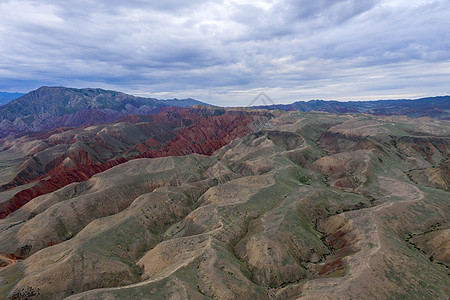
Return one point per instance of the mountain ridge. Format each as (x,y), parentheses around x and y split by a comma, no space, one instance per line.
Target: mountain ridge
(435,107)
(48,108)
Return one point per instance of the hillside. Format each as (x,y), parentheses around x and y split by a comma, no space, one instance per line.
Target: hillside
(49,108)
(434,107)
(211,203)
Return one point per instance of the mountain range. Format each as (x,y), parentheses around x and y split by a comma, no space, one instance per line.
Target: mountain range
(136,198)
(48,108)
(434,107)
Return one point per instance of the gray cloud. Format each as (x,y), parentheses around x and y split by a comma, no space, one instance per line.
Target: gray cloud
(225,52)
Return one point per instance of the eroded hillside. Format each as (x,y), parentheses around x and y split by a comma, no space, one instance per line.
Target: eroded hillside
(230,205)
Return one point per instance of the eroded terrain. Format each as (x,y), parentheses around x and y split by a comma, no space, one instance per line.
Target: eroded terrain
(296,206)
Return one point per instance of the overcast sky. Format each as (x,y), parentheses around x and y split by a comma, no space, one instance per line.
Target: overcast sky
(226,52)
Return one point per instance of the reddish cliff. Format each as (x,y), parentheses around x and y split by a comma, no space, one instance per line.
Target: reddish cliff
(175,132)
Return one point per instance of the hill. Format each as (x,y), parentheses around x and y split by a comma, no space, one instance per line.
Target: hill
(205,203)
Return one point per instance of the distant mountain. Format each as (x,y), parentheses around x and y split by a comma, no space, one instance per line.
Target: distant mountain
(6,97)
(49,108)
(434,107)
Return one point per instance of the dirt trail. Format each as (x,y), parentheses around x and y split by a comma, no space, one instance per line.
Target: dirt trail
(10,262)
(371,244)
(410,193)
(376,231)
(366,126)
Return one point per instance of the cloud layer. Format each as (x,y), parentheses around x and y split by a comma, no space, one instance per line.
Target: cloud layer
(226,52)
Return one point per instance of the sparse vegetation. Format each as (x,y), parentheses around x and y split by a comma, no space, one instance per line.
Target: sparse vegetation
(25,293)
(308,204)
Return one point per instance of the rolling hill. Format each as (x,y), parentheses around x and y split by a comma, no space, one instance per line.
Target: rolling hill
(212,203)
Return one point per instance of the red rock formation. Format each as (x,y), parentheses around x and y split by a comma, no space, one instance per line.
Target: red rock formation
(331,267)
(200,131)
(205,137)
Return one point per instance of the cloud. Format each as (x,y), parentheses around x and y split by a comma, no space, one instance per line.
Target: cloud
(225,51)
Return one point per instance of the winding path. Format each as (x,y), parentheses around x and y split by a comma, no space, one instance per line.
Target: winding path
(370,234)
(10,262)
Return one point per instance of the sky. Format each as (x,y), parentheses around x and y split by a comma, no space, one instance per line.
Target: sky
(227,52)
